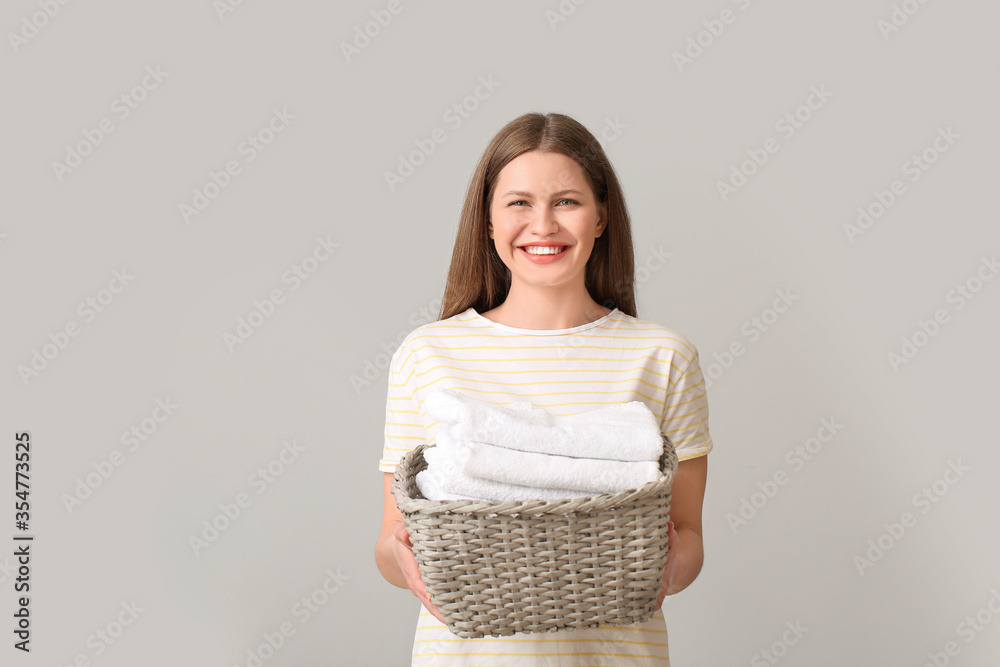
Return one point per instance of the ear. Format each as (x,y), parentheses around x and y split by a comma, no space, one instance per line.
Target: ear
(489,228)
(602,220)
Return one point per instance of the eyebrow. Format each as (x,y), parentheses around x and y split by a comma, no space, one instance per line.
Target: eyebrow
(522,193)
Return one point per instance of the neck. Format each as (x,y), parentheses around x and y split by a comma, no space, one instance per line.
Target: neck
(547,308)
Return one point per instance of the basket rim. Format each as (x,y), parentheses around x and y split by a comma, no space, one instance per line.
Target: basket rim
(413,462)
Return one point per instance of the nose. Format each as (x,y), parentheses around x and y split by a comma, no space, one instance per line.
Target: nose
(545,222)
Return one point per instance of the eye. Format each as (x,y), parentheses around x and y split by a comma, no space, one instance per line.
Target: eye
(519,201)
(571,201)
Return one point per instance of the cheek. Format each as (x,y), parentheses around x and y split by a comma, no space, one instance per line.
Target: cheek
(503,225)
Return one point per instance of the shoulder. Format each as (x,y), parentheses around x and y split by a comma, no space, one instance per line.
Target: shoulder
(656,334)
(429,332)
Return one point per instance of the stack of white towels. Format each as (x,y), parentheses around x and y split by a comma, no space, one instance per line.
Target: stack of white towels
(520,452)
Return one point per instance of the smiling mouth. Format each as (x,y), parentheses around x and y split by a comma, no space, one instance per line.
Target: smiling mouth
(547,252)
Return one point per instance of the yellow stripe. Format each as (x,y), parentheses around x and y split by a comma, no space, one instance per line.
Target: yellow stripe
(694,454)
(684,428)
(542,347)
(690,414)
(696,398)
(629,326)
(693,437)
(418,425)
(491,371)
(550,382)
(686,389)
(617,628)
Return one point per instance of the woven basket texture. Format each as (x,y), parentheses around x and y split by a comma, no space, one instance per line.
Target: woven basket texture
(498,568)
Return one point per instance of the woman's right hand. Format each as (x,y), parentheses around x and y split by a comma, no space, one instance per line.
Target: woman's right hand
(411,572)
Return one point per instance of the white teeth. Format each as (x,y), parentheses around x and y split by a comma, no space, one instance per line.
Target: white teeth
(543,250)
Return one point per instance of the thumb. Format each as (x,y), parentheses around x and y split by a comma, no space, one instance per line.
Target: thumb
(401,533)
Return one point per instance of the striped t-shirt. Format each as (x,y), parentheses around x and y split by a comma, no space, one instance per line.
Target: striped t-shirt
(614,359)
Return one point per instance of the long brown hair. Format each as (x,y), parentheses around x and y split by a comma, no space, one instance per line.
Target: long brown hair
(478,278)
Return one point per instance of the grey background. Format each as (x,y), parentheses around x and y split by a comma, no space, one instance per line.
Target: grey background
(302,374)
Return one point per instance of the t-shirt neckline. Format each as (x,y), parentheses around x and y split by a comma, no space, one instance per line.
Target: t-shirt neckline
(544,332)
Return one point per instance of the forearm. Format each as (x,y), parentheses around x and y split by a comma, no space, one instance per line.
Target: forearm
(689,558)
(385,558)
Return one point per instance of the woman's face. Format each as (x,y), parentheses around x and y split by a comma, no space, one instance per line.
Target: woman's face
(544,199)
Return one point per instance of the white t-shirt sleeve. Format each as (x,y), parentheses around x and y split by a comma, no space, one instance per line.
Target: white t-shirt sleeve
(404,427)
(685,410)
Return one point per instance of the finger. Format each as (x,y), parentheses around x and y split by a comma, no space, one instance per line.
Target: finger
(410,569)
(402,535)
(412,575)
(435,611)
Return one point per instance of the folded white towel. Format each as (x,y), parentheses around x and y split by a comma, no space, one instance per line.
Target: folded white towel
(443,479)
(511,466)
(431,489)
(620,432)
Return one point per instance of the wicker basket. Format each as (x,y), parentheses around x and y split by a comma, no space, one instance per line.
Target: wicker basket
(496,568)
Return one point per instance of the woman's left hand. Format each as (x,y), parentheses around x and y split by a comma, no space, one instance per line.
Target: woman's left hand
(673,546)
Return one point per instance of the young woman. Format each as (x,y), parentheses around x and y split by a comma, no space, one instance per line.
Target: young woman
(540,306)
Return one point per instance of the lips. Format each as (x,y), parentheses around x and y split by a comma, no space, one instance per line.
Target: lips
(525,247)
(546,258)
(560,250)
